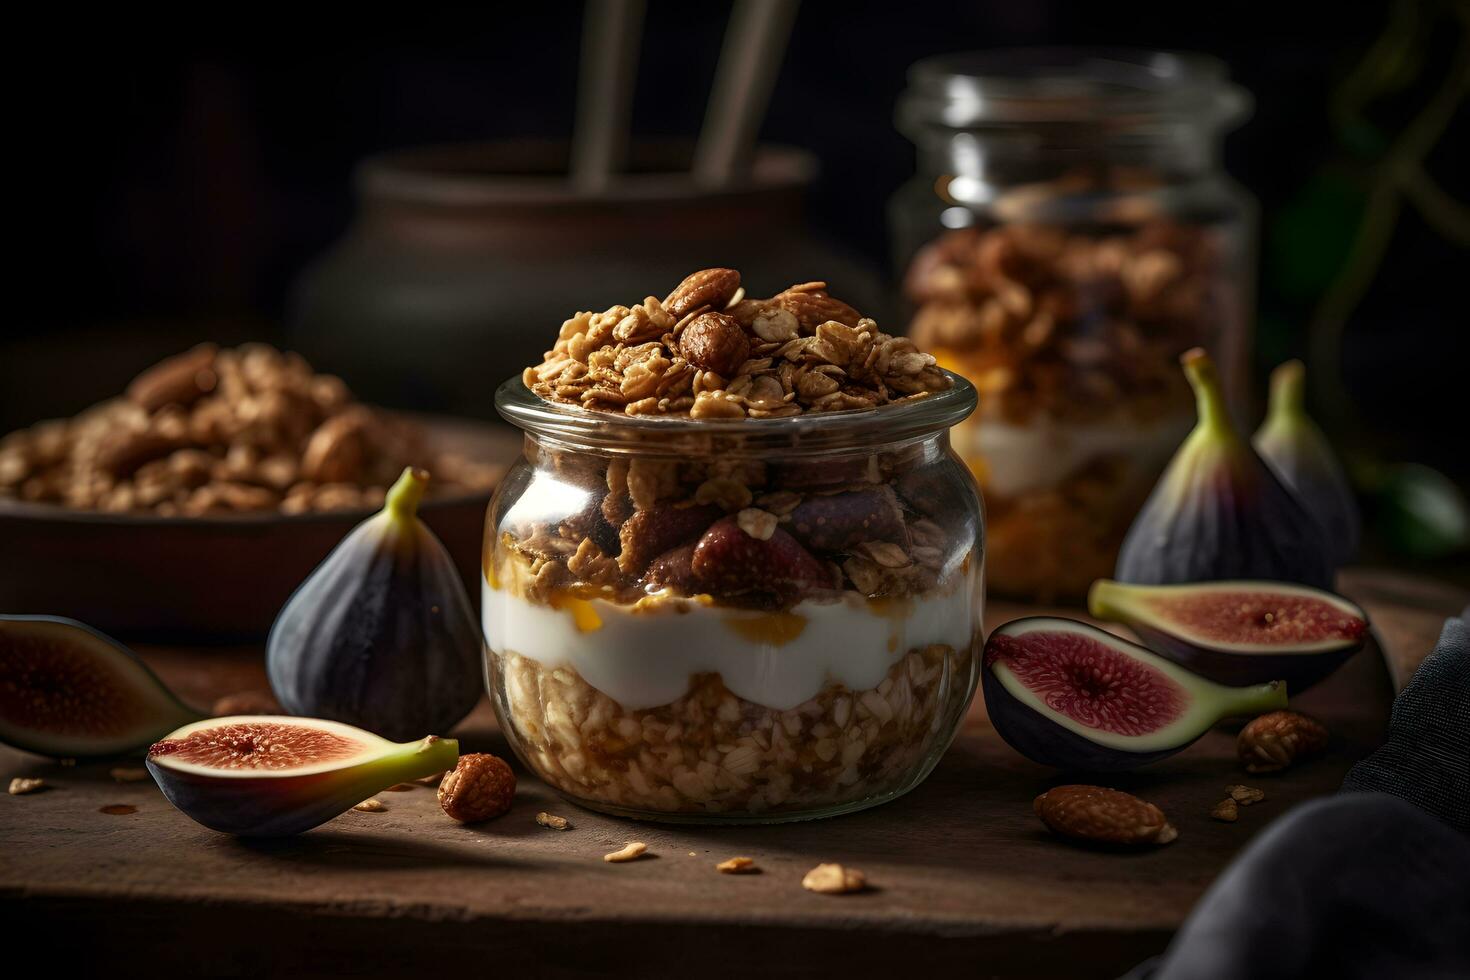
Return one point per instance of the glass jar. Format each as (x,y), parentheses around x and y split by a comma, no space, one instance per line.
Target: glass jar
(752,620)
(1070,232)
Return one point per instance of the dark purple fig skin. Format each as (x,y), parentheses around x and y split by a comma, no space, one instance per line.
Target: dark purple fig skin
(380,636)
(1300,671)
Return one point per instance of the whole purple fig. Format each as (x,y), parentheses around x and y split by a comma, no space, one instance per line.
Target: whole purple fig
(381,635)
(1218,512)
(1297,452)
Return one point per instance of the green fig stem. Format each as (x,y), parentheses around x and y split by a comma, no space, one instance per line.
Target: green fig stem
(1214,416)
(433,755)
(404,496)
(1254,700)
(1288,391)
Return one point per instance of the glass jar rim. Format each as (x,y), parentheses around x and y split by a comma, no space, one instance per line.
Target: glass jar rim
(1062,84)
(855,429)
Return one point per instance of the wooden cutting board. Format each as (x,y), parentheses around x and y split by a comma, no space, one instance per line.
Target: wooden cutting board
(965,878)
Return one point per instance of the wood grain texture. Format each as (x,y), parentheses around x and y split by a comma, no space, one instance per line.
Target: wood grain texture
(965,876)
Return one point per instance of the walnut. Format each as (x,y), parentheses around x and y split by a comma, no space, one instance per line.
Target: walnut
(480,787)
(1276,740)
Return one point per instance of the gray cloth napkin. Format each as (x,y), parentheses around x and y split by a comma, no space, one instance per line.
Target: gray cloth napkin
(1426,759)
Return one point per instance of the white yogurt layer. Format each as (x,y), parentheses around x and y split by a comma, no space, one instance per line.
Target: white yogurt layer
(645,656)
(1021,459)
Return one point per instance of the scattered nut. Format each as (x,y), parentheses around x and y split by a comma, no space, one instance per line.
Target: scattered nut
(630,851)
(552,822)
(128,774)
(834,879)
(370,806)
(739,866)
(19,786)
(479,788)
(1245,795)
(1276,740)
(1095,813)
(1226,810)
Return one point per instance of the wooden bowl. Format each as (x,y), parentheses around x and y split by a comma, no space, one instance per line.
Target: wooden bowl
(217,578)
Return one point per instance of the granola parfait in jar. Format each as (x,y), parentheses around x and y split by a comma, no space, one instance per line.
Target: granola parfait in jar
(737,574)
(1070,232)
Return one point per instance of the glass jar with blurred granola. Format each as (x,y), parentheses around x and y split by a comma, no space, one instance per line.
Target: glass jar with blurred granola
(1070,232)
(737,574)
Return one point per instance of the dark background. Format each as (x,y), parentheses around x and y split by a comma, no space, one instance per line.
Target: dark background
(172,186)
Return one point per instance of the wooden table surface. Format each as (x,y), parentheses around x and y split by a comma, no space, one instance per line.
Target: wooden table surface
(964,876)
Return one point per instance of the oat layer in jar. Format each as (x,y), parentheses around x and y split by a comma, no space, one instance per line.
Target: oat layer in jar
(737,575)
(1069,233)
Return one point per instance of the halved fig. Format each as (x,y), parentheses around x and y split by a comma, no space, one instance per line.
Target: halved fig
(68,691)
(273,775)
(1239,632)
(1070,695)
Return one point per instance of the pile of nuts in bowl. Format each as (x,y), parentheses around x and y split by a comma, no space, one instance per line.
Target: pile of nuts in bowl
(249,429)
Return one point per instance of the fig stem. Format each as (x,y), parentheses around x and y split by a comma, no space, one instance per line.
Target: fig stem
(404,496)
(1214,416)
(1288,390)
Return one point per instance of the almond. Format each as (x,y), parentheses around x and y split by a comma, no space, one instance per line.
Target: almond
(812,309)
(178,380)
(707,287)
(1109,816)
(715,342)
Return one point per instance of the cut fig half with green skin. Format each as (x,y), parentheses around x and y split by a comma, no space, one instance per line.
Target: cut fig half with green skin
(273,775)
(1070,695)
(1240,632)
(68,691)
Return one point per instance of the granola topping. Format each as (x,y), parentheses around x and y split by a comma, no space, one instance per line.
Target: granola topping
(728,356)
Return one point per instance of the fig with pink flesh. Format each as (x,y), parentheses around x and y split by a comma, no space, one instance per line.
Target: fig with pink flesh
(68,691)
(1219,512)
(1070,695)
(1239,632)
(273,775)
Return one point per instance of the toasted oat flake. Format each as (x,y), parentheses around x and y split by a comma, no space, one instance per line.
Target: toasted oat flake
(20,785)
(834,879)
(738,866)
(552,822)
(128,774)
(370,806)
(630,851)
